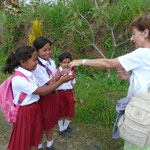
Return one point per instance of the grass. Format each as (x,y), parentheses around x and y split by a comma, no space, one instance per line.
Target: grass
(100,95)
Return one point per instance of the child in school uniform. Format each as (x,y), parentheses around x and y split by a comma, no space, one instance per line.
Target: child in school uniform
(46,73)
(27,129)
(66,97)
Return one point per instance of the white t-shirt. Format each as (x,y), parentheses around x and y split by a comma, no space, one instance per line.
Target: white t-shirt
(68,85)
(21,84)
(138,62)
(41,73)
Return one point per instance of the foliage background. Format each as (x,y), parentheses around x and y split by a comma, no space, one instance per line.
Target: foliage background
(60,23)
(63,24)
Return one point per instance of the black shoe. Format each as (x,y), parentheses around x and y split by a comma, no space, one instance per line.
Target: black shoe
(96,147)
(40,148)
(71,130)
(50,148)
(63,134)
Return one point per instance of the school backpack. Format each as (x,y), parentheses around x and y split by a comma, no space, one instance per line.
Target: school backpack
(134,125)
(6,98)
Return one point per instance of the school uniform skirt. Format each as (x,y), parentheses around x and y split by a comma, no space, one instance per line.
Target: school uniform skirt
(27,130)
(49,109)
(66,103)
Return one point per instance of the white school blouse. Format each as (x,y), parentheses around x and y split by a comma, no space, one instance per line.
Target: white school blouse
(41,73)
(21,84)
(138,62)
(68,85)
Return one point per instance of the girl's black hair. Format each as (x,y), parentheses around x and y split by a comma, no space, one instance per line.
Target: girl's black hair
(63,56)
(40,42)
(22,53)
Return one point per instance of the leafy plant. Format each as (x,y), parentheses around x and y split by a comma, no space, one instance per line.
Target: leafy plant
(56,52)
(36,31)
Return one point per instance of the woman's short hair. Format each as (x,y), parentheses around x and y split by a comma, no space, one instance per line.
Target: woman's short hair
(141,23)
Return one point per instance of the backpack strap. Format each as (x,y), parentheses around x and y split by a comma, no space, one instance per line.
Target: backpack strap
(23,95)
(58,70)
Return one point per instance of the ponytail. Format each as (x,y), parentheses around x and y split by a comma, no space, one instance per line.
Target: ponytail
(22,53)
(11,64)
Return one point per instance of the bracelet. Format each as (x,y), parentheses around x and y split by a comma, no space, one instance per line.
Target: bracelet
(83,62)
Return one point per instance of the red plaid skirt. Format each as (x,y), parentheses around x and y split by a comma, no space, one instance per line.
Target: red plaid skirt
(66,103)
(49,109)
(27,130)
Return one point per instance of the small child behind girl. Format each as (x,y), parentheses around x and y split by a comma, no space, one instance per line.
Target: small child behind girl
(27,129)
(66,97)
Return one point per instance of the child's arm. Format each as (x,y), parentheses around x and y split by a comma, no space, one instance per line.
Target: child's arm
(51,87)
(78,101)
(75,100)
(61,73)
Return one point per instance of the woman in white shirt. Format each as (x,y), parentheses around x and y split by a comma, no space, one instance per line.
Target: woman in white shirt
(137,61)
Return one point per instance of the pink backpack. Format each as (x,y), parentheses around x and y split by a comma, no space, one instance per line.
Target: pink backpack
(6,98)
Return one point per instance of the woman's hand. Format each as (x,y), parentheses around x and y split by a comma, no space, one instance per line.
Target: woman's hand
(75,63)
(123,74)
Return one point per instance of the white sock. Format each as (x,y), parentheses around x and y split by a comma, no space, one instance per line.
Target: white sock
(60,124)
(40,146)
(49,143)
(66,123)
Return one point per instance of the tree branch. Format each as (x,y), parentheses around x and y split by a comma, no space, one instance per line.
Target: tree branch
(118,17)
(123,42)
(88,25)
(98,50)
(82,34)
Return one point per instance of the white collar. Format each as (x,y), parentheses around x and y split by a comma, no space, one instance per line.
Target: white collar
(24,71)
(44,62)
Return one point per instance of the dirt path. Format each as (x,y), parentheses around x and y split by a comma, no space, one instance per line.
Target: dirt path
(84,138)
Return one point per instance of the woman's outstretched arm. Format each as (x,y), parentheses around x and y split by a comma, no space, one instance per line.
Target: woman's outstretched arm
(103,63)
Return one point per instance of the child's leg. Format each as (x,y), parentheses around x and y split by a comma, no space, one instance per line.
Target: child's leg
(67,122)
(70,110)
(40,145)
(33,148)
(66,125)
(60,124)
(61,129)
(49,135)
